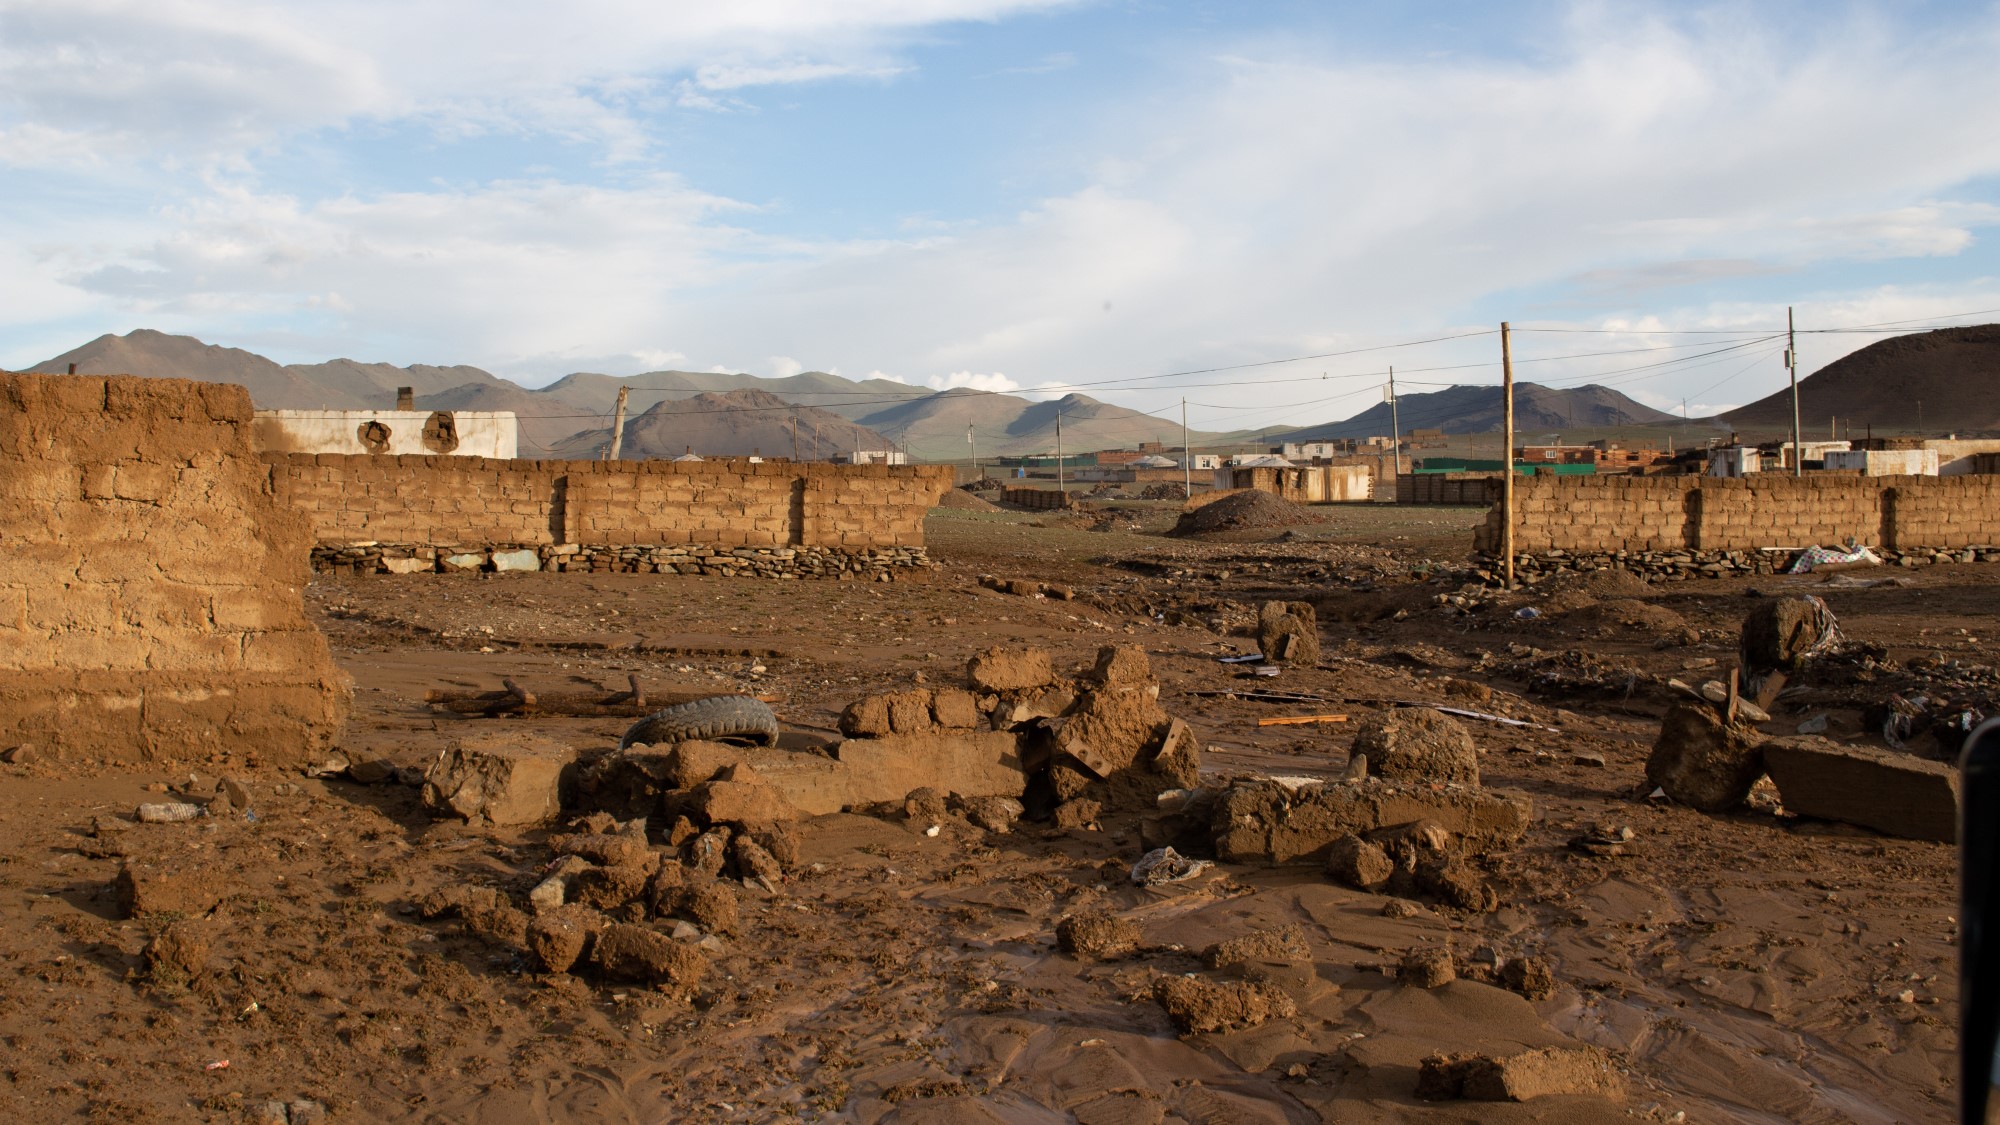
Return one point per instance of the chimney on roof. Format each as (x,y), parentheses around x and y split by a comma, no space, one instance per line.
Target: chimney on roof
(406,398)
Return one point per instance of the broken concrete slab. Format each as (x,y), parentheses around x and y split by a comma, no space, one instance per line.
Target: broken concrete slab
(1892,793)
(499,779)
(1268,822)
(524,559)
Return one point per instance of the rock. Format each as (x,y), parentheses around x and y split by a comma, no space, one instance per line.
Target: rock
(635,953)
(485,911)
(742,802)
(1010,669)
(305,1111)
(1427,968)
(1517,1078)
(523,559)
(753,863)
(270,1113)
(1079,813)
(1357,863)
(1288,633)
(994,814)
(1178,760)
(1529,977)
(167,812)
(499,779)
(663,888)
(556,939)
(1399,908)
(1196,1005)
(1286,945)
(955,709)
(148,887)
(1039,703)
(1701,762)
(1892,793)
(781,839)
(549,894)
(25,754)
(1418,744)
(1097,935)
(367,770)
(1122,666)
(178,953)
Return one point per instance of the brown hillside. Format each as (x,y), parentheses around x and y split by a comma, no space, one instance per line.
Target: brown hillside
(1954,373)
(731,424)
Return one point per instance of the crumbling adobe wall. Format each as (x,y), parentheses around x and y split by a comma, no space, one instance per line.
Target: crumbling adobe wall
(1672,513)
(473,502)
(150,601)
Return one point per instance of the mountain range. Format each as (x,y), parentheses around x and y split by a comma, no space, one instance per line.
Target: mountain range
(1938,381)
(710,413)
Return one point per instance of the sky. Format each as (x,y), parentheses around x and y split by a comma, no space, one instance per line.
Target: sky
(1009,194)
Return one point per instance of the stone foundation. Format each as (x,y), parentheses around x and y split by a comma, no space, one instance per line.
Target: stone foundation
(867,564)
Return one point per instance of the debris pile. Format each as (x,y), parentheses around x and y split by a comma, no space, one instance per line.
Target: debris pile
(1247,510)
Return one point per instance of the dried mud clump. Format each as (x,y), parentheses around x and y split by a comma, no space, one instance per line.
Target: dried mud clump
(1097,935)
(1010,669)
(1198,1006)
(644,956)
(1418,744)
(556,940)
(1518,1078)
(178,953)
(1529,977)
(1280,946)
(1355,862)
(1427,968)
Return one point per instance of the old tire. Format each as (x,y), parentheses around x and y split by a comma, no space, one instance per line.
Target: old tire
(717,717)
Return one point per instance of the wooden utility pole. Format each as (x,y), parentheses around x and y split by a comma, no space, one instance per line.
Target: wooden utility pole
(1507,459)
(618,426)
(1060,487)
(1187,457)
(1395,423)
(974,443)
(1792,365)
(795,437)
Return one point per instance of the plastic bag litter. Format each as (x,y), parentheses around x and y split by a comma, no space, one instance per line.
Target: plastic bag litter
(1165,865)
(1805,560)
(1527,613)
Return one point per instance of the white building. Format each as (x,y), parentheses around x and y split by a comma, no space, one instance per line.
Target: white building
(1886,462)
(458,433)
(872,457)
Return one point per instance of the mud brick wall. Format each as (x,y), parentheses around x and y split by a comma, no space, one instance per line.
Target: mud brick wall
(1477,489)
(476,503)
(150,603)
(1039,498)
(1672,513)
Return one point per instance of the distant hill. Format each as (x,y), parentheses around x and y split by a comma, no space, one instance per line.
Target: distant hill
(342,384)
(1478,410)
(934,426)
(1946,380)
(727,424)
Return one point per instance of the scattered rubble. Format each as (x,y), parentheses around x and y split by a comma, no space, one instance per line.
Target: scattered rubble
(1518,1078)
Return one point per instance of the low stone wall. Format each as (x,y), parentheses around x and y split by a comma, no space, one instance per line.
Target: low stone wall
(1041,499)
(1680,514)
(407,513)
(150,605)
(871,563)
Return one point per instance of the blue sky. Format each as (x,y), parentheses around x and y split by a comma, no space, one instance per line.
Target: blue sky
(1013,194)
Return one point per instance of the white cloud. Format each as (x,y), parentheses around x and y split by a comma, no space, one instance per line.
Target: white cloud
(204,79)
(784,366)
(990,381)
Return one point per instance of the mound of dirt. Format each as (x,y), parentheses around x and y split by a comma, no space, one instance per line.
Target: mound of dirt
(1626,614)
(1575,591)
(1248,510)
(965,501)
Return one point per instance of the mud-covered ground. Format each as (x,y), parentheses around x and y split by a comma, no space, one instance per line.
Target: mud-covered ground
(1743,967)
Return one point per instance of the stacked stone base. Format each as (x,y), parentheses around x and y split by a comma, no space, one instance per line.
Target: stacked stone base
(1671,565)
(875,564)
